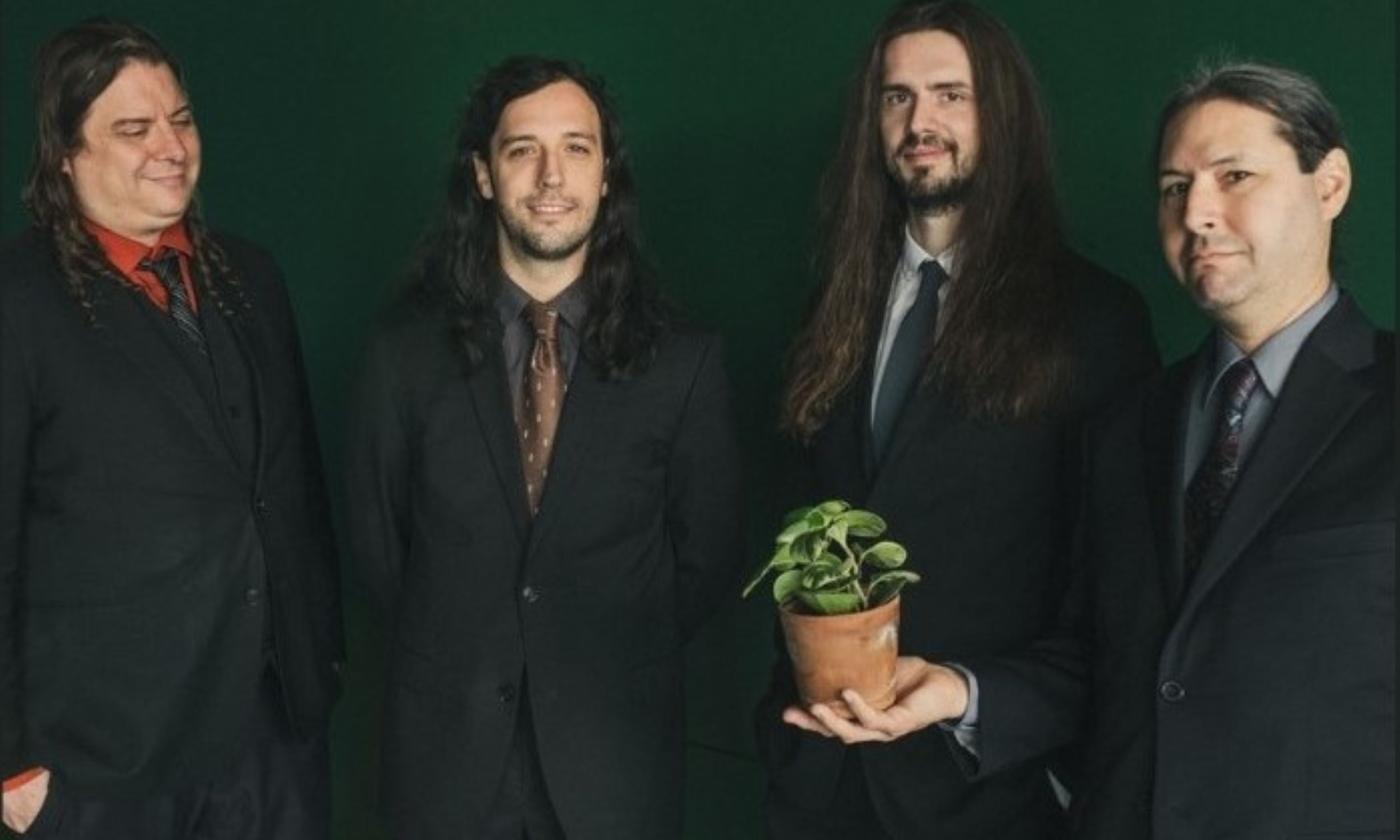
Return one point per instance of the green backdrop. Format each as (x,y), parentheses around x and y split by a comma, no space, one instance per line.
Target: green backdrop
(327,127)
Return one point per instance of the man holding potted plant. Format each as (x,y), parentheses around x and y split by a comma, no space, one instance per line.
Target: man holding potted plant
(544,489)
(940,382)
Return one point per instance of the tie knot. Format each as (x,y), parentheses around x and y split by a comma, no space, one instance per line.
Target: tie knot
(1239,382)
(165,266)
(543,318)
(932,274)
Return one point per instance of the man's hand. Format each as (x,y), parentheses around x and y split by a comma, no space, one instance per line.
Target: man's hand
(925,693)
(22,804)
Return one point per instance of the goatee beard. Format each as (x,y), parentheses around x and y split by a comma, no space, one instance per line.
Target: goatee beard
(939,198)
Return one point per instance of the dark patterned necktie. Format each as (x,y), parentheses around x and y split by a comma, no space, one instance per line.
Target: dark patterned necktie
(541,401)
(1210,487)
(166,268)
(906,360)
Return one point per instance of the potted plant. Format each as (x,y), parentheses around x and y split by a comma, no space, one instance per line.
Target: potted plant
(837,591)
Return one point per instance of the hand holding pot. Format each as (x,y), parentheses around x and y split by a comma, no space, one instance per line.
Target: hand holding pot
(925,693)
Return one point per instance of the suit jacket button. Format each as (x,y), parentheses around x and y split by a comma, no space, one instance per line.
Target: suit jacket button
(531,594)
(260,505)
(1172,691)
(251,596)
(506,693)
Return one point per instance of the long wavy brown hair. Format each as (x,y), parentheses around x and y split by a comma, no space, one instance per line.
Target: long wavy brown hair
(1002,352)
(457,263)
(72,70)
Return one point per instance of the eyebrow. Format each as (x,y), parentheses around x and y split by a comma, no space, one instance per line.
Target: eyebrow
(936,86)
(126,122)
(1224,160)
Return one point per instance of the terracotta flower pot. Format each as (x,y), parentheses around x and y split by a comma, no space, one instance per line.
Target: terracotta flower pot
(834,652)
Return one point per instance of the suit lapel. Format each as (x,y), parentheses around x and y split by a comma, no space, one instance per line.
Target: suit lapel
(246,334)
(583,418)
(491,401)
(132,332)
(1318,398)
(1164,436)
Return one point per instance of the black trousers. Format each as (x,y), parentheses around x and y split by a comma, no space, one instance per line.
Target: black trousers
(522,810)
(850,815)
(278,789)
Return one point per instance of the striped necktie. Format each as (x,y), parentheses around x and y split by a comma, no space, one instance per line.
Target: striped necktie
(166,268)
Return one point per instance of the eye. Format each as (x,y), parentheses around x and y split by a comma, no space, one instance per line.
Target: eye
(954,95)
(580,148)
(519,151)
(132,131)
(1234,176)
(182,120)
(1173,189)
(895,98)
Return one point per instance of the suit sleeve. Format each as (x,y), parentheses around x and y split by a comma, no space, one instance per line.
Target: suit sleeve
(15,430)
(704,512)
(376,473)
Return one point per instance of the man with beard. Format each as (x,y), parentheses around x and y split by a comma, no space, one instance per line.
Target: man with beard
(543,488)
(169,592)
(941,381)
(1232,636)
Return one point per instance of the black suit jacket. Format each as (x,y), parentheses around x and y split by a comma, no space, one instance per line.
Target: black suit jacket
(986,511)
(638,538)
(1259,700)
(137,548)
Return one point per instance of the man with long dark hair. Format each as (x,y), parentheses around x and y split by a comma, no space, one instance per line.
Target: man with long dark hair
(1233,635)
(169,596)
(543,488)
(941,380)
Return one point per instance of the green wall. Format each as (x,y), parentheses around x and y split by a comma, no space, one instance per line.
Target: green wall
(327,126)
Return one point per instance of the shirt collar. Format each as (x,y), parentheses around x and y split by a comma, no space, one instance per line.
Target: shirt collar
(914,255)
(571,303)
(1274,357)
(126,253)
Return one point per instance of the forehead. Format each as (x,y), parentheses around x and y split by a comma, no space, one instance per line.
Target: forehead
(1218,129)
(561,107)
(928,56)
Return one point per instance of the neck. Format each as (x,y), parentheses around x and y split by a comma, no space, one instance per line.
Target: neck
(541,279)
(1249,331)
(935,232)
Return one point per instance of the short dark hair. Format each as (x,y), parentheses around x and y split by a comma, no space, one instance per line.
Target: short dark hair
(1307,119)
(72,70)
(458,263)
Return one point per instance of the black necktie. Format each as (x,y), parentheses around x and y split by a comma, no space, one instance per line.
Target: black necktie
(905,363)
(166,268)
(1210,487)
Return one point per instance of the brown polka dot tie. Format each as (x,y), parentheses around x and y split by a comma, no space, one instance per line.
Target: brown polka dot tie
(541,400)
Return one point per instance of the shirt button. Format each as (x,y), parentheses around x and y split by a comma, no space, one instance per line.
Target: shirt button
(260,506)
(506,693)
(1172,691)
(531,594)
(251,596)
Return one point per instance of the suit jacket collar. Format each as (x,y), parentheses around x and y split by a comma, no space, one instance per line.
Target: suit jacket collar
(1321,394)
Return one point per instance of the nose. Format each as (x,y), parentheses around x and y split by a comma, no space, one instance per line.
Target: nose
(551,174)
(169,145)
(923,117)
(1201,210)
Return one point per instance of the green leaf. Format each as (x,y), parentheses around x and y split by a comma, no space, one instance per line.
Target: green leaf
(827,574)
(885,587)
(795,515)
(833,507)
(863,523)
(885,555)
(830,603)
(782,559)
(785,584)
(797,529)
(837,531)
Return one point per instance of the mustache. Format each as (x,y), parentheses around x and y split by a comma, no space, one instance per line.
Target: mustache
(928,139)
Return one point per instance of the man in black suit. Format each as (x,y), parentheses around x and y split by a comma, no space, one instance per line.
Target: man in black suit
(543,484)
(941,381)
(169,606)
(1233,636)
